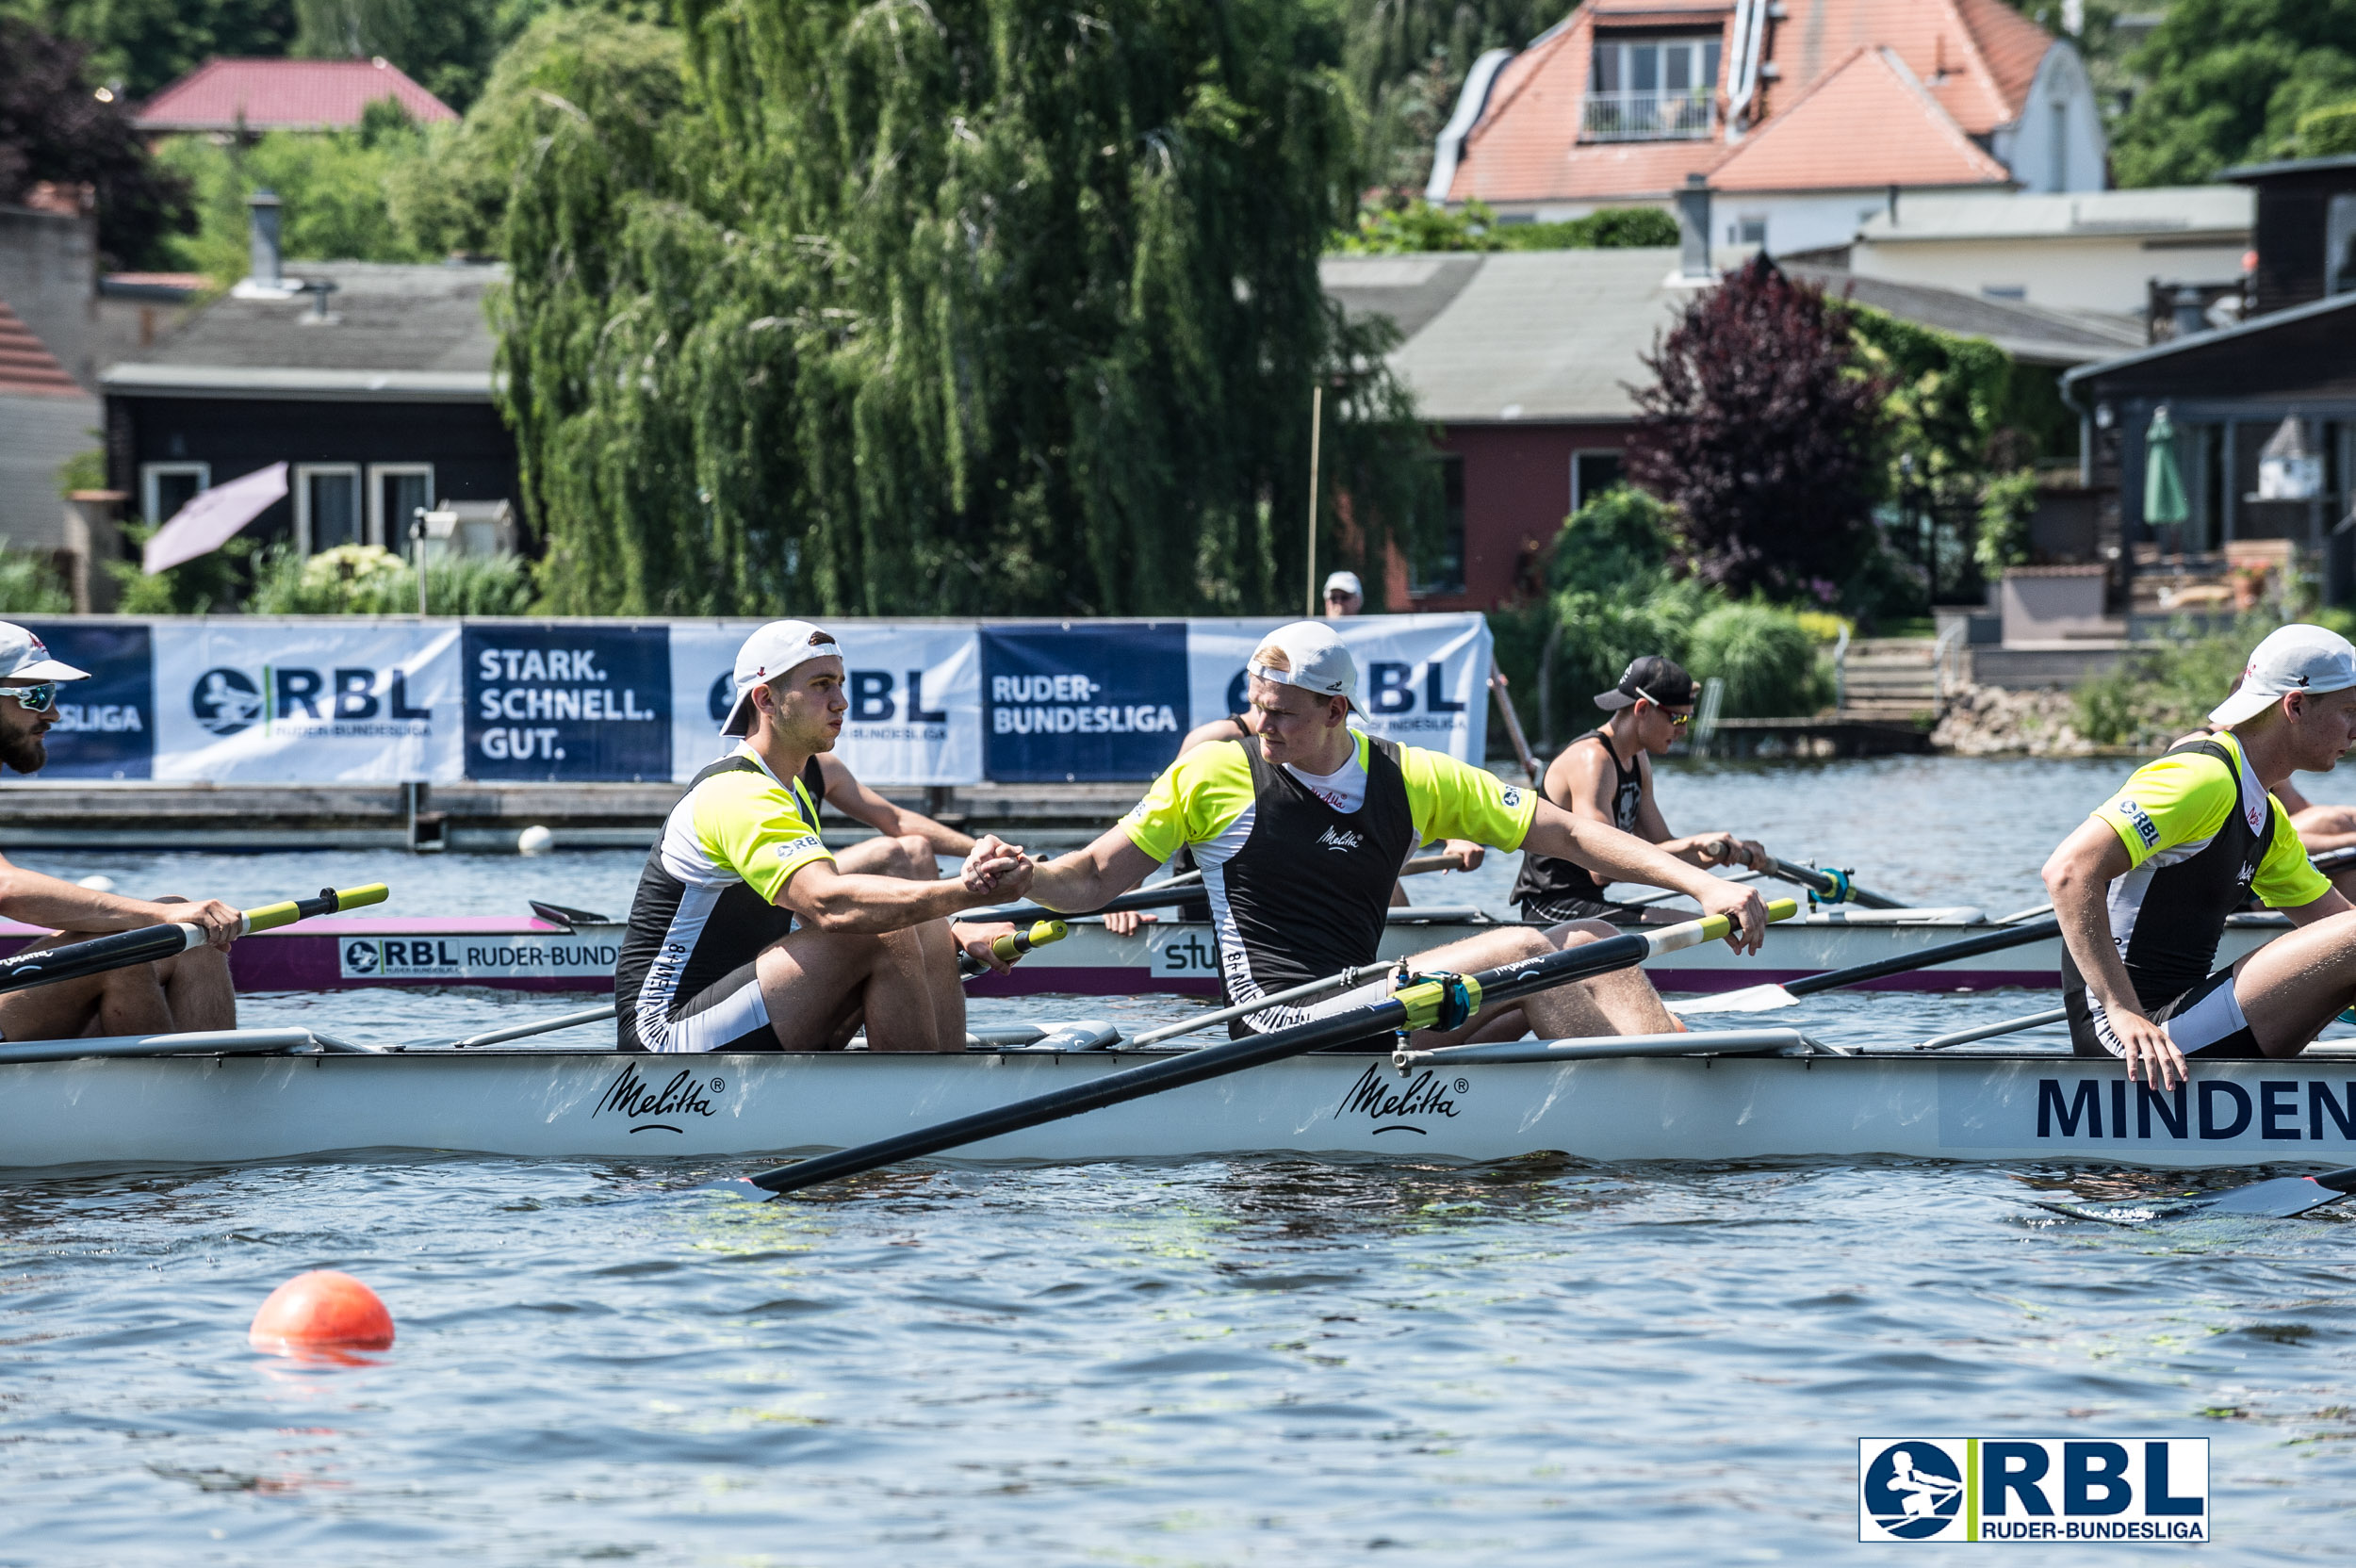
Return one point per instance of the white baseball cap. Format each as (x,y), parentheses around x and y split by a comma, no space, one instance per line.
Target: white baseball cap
(2297,658)
(23,657)
(1310,655)
(1346,583)
(768,653)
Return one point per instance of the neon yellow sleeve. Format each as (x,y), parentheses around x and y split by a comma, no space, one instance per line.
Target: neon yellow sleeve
(756,829)
(2286,878)
(1192,802)
(2178,799)
(1455,800)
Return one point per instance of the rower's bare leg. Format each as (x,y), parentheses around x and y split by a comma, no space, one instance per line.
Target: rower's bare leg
(809,975)
(127,1000)
(2298,982)
(197,989)
(905,855)
(937,971)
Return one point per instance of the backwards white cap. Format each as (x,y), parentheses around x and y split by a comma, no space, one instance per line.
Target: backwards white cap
(1310,655)
(771,651)
(23,657)
(2297,658)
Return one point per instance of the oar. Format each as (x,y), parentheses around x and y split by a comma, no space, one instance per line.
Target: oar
(1013,945)
(1760,999)
(1343,981)
(1182,888)
(1514,726)
(1419,1006)
(1990,1031)
(152,943)
(1832,886)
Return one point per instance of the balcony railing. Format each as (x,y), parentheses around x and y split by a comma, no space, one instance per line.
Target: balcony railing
(1649,117)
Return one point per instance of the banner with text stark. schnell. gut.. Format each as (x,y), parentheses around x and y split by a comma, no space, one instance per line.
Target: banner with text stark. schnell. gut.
(568,701)
(914,690)
(1423,680)
(306,702)
(1083,700)
(106,725)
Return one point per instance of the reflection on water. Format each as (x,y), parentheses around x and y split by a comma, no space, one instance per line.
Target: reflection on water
(1204,1362)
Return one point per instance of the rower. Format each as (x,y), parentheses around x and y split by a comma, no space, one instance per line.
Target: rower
(2174,852)
(1606,775)
(747,933)
(189,990)
(1301,830)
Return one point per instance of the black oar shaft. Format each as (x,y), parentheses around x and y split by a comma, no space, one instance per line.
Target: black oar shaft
(152,943)
(1994,942)
(1839,889)
(1415,1006)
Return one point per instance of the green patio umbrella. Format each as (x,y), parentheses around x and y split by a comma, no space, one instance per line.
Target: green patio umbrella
(2163,503)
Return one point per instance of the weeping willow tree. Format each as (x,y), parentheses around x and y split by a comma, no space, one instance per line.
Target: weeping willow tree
(952,307)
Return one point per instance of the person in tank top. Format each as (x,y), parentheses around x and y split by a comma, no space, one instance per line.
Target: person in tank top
(2143,886)
(1300,831)
(747,933)
(1606,775)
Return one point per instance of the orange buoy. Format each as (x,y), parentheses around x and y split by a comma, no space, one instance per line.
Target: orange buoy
(321,1310)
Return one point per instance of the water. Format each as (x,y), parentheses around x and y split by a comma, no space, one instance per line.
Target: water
(1196,1363)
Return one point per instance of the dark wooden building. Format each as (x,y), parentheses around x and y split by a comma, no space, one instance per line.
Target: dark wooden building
(372,382)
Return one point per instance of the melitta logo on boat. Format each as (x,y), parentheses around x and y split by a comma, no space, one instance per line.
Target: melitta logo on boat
(462,960)
(690,1091)
(1398,1102)
(2145,1490)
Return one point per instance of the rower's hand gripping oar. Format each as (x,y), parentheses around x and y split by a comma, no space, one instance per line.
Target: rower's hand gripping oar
(1012,945)
(1426,1002)
(1760,999)
(151,943)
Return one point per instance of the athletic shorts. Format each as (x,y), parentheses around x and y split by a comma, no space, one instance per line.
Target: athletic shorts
(2206,1020)
(726,1014)
(1554,911)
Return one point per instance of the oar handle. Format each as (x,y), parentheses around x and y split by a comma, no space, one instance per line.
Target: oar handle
(331,901)
(1014,944)
(1417,1005)
(1832,885)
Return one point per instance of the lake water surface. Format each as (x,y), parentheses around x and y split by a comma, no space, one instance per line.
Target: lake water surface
(1201,1363)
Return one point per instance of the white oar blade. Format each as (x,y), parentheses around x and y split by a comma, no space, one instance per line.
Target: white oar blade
(1751,999)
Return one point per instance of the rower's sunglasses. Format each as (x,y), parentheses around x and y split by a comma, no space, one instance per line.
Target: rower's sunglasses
(1677,721)
(33,699)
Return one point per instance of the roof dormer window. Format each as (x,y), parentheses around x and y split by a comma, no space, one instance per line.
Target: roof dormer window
(1652,89)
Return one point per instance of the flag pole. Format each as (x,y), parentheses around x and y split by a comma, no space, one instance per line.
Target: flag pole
(1316,420)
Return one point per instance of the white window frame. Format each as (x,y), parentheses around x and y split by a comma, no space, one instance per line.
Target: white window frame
(392,532)
(1579,500)
(303,474)
(150,472)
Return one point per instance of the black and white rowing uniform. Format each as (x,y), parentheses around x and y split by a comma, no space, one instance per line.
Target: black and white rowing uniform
(1549,889)
(707,906)
(2201,834)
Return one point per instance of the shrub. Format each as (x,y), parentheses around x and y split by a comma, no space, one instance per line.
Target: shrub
(29,585)
(2162,691)
(1766,658)
(368,580)
(210,584)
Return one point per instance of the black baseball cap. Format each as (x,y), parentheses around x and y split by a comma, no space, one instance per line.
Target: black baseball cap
(1663,681)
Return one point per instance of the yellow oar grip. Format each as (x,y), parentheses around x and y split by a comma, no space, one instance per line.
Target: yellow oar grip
(1014,944)
(1716,927)
(1423,999)
(270,916)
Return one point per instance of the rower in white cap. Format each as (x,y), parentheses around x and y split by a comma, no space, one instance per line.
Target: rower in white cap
(189,991)
(1301,830)
(2143,888)
(748,934)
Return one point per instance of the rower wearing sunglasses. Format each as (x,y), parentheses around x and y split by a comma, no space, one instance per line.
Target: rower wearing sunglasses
(190,991)
(1606,775)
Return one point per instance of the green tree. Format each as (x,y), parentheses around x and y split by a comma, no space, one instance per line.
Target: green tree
(2228,81)
(145,44)
(55,126)
(450,46)
(334,187)
(1420,226)
(989,305)
(1407,61)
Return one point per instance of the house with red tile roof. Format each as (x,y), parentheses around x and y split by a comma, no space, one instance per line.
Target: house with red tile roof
(1804,116)
(45,417)
(227,97)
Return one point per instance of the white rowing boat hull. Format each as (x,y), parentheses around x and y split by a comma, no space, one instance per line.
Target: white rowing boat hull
(532,1103)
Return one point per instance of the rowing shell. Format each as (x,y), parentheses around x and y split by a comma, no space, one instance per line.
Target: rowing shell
(1998,1105)
(352,951)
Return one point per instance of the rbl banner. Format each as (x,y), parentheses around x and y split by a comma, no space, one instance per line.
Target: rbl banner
(246,700)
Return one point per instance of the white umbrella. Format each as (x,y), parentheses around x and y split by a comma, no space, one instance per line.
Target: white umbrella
(213,518)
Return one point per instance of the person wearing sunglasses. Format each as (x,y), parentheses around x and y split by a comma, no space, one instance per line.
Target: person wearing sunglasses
(190,991)
(1606,775)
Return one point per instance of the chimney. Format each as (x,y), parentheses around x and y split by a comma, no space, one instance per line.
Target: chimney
(1694,229)
(2190,317)
(1892,204)
(263,244)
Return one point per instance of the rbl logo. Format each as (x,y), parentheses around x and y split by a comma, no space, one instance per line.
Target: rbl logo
(2044,1489)
(872,693)
(225,700)
(1390,688)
